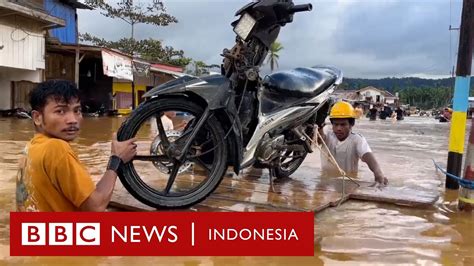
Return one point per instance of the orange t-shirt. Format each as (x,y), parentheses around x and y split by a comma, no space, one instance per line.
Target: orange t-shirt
(51,177)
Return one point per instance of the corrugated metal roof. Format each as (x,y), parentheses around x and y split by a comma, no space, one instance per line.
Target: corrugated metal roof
(168,67)
(33,13)
(385,93)
(76,4)
(67,12)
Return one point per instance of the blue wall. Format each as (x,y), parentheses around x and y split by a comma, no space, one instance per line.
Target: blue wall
(65,34)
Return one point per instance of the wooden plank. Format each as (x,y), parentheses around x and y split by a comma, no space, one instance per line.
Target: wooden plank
(396,195)
(123,200)
(243,195)
(250,191)
(240,196)
(404,196)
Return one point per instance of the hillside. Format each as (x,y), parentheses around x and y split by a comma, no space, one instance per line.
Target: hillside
(398,84)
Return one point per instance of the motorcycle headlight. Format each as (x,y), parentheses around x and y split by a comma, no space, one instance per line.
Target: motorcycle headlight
(245,26)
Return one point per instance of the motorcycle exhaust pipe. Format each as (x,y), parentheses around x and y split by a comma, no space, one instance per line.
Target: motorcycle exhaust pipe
(302,137)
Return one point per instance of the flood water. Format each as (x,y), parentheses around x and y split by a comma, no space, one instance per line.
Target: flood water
(355,233)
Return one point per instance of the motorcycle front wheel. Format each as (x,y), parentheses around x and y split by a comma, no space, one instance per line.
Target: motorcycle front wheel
(156,177)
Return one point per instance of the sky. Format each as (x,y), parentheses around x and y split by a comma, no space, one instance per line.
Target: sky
(363,38)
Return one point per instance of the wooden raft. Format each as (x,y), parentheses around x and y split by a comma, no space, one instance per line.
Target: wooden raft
(251,192)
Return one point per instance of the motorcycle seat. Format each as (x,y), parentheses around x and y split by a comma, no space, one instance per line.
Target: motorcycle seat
(300,82)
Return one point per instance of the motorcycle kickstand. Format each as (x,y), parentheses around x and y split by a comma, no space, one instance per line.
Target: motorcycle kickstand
(271,175)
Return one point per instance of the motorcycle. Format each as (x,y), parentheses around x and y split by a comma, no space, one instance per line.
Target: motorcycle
(236,119)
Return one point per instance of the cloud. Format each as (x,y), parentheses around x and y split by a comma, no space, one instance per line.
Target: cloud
(365,38)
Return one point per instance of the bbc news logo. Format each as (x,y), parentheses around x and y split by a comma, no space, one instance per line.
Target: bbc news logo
(60,234)
(162,234)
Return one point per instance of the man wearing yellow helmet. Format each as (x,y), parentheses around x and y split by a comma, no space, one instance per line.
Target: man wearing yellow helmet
(348,147)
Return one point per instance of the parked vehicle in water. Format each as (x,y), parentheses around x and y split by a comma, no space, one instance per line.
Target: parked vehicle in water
(235,119)
(20,113)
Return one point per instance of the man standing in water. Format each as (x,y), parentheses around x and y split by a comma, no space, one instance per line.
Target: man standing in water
(348,147)
(166,120)
(51,177)
(373,113)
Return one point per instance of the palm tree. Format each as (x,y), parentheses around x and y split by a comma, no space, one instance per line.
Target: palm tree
(273,56)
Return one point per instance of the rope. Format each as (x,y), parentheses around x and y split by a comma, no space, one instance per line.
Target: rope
(465,183)
(331,158)
(470,201)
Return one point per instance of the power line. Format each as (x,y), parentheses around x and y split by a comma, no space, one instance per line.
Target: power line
(451,60)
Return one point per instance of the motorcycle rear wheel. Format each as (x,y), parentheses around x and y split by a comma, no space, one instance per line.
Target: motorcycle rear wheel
(289,167)
(146,182)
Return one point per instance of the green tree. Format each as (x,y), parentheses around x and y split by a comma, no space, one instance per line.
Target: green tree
(426,97)
(153,13)
(273,55)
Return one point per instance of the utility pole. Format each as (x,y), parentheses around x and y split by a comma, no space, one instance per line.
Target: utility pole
(466,194)
(133,78)
(132,22)
(76,50)
(461,94)
(452,72)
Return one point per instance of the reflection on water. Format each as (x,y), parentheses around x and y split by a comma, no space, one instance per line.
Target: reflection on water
(356,232)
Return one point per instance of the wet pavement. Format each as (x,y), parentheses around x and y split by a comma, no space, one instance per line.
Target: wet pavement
(357,232)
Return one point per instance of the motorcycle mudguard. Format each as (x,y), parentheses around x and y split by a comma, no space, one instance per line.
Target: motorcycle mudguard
(213,91)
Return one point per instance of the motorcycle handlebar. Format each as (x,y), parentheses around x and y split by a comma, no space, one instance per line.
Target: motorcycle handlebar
(300,8)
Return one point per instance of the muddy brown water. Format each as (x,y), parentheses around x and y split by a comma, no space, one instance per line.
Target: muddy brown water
(355,233)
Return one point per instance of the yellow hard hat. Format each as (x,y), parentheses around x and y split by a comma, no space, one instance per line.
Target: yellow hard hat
(342,110)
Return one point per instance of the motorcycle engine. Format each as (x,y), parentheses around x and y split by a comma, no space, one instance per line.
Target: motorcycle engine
(265,152)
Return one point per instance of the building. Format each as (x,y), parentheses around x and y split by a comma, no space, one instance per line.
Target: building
(23,27)
(350,96)
(144,81)
(105,75)
(66,10)
(154,75)
(39,41)
(371,95)
(391,99)
(60,65)
(368,95)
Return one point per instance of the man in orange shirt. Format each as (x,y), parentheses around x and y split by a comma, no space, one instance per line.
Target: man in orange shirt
(51,177)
